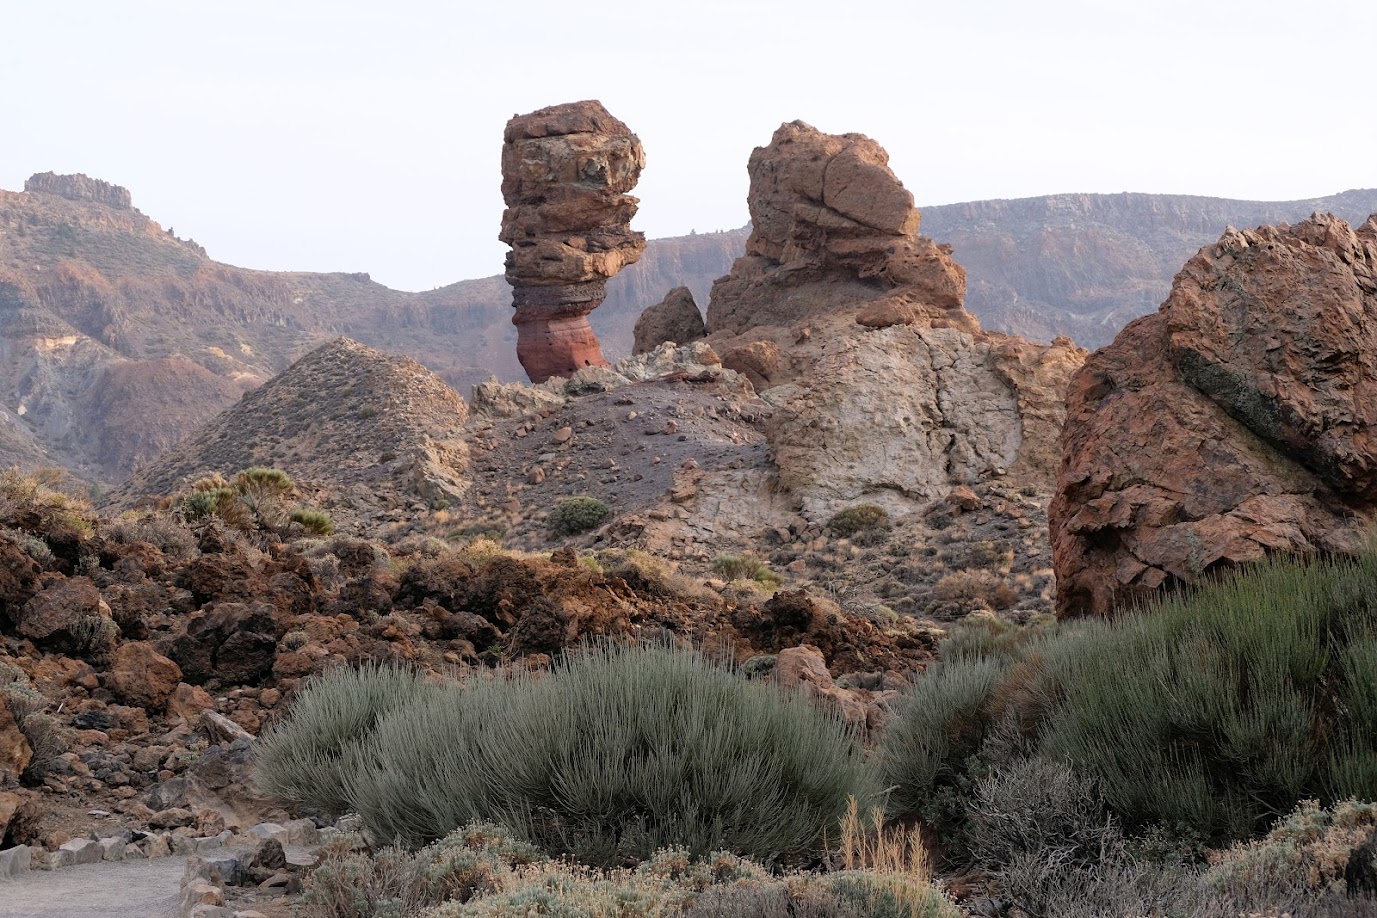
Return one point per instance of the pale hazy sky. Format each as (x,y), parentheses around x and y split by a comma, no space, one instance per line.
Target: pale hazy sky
(364,136)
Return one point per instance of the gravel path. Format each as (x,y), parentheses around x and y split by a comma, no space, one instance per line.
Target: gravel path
(129,889)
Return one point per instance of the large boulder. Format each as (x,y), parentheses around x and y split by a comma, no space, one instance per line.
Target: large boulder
(675,318)
(142,677)
(566,171)
(1236,422)
(69,615)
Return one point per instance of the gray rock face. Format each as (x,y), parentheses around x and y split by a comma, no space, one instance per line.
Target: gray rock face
(675,318)
(80,188)
(897,414)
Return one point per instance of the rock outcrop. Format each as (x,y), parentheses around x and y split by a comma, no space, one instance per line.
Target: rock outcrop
(675,318)
(566,171)
(80,188)
(1236,422)
(851,325)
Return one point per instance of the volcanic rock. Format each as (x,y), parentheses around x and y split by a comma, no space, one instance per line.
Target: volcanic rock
(14,748)
(1234,423)
(80,188)
(566,171)
(852,326)
(675,318)
(142,677)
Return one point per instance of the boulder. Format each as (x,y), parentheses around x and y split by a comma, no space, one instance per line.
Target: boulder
(1234,423)
(15,753)
(566,171)
(675,318)
(142,677)
(69,616)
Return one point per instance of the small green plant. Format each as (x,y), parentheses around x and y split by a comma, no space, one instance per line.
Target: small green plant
(575,515)
(746,567)
(315,522)
(846,523)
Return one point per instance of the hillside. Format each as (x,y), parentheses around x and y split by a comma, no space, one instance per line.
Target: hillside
(1083,265)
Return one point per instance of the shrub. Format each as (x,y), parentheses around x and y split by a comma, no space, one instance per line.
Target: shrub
(848,522)
(745,567)
(937,728)
(315,522)
(574,515)
(1038,807)
(1209,712)
(308,756)
(1310,859)
(349,883)
(616,753)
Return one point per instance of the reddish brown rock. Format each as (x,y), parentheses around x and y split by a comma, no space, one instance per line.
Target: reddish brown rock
(566,171)
(142,677)
(675,318)
(14,748)
(1234,423)
(827,207)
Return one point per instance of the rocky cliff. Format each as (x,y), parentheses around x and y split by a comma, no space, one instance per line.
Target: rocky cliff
(1235,422)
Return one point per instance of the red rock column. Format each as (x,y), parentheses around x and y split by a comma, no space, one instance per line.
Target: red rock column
(565,173)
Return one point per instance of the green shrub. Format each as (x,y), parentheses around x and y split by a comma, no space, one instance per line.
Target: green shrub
(574,515)
(1209,713)
(315,522)
(616,753)
(846,523)
(937,728)
(307,756)
(745,567)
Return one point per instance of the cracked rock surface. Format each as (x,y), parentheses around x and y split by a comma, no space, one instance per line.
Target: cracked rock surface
(1234,423)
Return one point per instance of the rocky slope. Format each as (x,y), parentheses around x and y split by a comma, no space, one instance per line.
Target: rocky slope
(1233,423)
(357,429)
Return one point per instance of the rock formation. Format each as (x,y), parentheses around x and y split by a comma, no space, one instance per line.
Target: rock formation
(851,325)
(566,171)
(675,318)
(80,188)
(1235,422)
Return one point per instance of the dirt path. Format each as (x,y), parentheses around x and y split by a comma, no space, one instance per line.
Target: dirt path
(130,889)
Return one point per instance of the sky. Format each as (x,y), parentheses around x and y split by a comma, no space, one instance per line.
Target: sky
(357,135)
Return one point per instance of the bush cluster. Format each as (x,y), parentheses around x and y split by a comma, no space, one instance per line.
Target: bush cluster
(482,871)
(574,515)
(255,501)
(1210,713)
(847,523)
(618,752)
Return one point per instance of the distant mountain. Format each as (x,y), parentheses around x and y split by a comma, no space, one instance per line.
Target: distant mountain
(1083,265)
(117,338)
